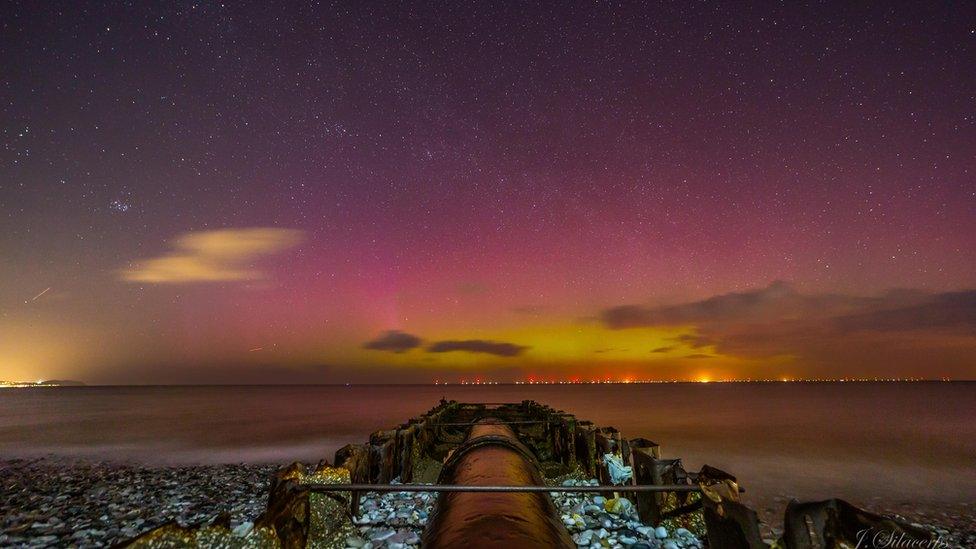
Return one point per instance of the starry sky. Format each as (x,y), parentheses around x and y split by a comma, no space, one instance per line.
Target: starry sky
(326,193)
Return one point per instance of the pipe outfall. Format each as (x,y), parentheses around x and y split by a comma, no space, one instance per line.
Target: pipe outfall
(493,455)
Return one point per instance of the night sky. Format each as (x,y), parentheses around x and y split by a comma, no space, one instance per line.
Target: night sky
(248,192)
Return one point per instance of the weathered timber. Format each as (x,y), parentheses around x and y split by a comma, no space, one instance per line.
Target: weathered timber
(730,525)
(834,523)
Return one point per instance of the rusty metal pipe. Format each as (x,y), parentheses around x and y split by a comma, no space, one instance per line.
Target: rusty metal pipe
(493,456)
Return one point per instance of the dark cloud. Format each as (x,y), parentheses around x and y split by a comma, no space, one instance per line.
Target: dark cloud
(781,303)
(699,355)
(778,300)
(393,341)
(941,311)
(892,330)
(665,349)
(695,341)
(477,346)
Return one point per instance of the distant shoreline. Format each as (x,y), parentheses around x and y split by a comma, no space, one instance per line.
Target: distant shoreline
(79,384)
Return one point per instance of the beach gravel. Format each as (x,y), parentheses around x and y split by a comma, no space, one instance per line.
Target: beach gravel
(60,503)
(65,502)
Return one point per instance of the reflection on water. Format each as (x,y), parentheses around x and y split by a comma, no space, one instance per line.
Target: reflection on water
(912,441)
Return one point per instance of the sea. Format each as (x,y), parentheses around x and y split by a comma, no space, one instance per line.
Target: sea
(908,442)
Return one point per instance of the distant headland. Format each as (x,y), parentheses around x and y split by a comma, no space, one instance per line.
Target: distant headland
(43,383)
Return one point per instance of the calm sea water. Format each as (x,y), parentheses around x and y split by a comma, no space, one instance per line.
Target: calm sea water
(908,442)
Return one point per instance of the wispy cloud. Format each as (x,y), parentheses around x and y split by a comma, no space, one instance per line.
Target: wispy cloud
(213,256)
(477,346)
(826,330)
(393,341)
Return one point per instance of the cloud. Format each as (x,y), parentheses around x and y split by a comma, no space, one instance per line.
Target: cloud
(699,356)
(665,349)
(941,311)
(213,256)
(393,341)
(778,300)
(610,350)
(890,331)
(695,341)
(477,346)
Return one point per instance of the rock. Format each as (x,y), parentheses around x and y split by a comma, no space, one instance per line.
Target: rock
(627,540)
(583,538)
(381,534)
(670,545)
(660,532)
(355,541)
(619,506)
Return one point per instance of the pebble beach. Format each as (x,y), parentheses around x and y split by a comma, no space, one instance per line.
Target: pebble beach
(60,502)
(68,503)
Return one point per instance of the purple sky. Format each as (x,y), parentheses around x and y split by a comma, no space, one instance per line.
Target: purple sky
(206,193)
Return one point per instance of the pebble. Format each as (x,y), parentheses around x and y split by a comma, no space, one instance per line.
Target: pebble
(243,529)
(75,502)
(583,538)
(72,502)
(599,522)
(394,519)
(381,534)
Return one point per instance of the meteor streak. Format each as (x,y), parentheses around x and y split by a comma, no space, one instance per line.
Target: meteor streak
(46,290)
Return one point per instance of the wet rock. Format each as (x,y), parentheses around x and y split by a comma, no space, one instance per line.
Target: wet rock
(243,529)
(583,538)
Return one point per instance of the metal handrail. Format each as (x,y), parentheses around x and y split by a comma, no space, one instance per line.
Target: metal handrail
(497,488)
